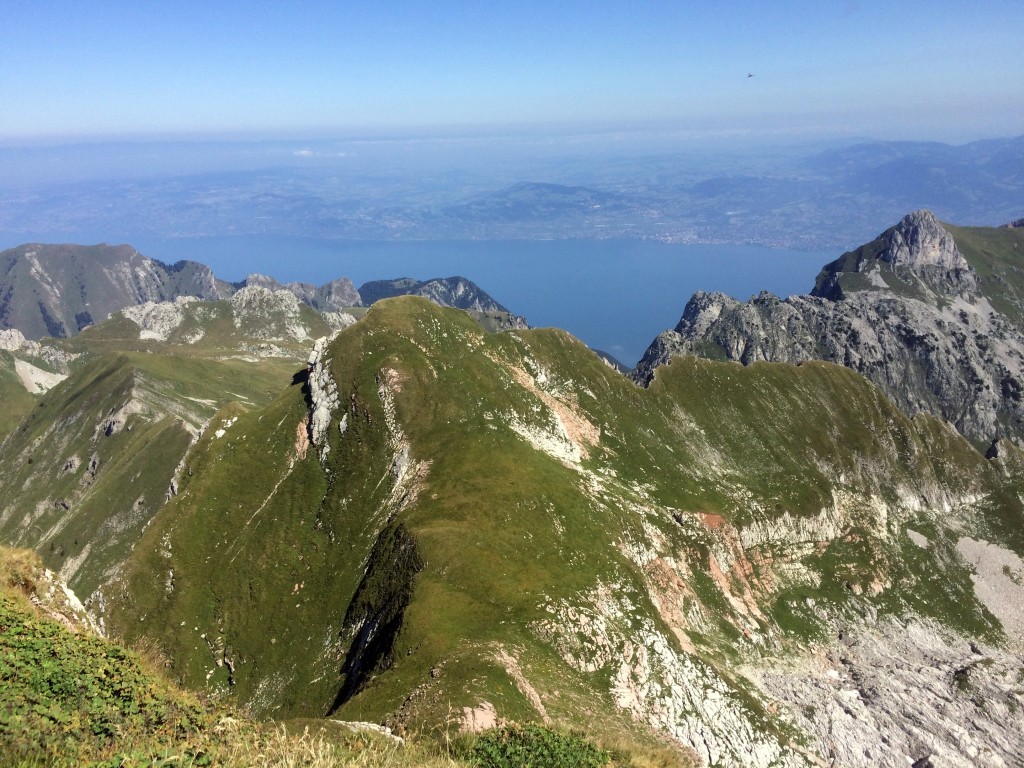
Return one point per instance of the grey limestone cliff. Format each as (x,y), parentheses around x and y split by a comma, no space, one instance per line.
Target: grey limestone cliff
(56,290)
(329,297)
(911,311)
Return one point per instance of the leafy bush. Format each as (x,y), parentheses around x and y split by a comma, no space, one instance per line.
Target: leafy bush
(533,746)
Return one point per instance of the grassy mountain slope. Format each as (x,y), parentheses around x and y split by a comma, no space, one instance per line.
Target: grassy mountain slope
(13,394)
(997,255)
(97,457)
(87,464)
(502,524)
(69,697)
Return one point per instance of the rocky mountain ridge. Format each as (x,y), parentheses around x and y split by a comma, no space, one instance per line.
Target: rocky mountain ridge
(929,312)
(57,290)
(455,292)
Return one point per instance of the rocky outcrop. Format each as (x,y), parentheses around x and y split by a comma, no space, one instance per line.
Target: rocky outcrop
(329,297)
(455,292)
(266,314)
(40,367)
(158,320)
(22,570)
(896,693)
(12,340)
(323,397)
(905,311)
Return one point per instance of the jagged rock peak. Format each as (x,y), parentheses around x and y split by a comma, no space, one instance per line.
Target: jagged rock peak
(1018,224)
(702,310)
(920,242)
(905,310)
(263,281)
(919,251)
(337,294)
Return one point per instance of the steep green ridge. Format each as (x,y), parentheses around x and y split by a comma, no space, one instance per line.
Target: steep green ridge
(501,522)
(84,472)
(87,463)
(15,398)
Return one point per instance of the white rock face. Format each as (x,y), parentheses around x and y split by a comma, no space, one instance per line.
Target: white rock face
(790,530)
(658,684)
(323,396)
(920,242)
(551,439)
(998,583)
(919,539)
(268,314)
(12,339)
(890,695)
(159,320)
(36,380)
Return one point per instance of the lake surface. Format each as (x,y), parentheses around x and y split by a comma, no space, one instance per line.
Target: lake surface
(615,295)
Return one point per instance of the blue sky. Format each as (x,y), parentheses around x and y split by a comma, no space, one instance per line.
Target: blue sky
(940,70)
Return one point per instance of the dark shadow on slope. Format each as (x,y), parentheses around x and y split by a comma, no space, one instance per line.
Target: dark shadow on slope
(374,617)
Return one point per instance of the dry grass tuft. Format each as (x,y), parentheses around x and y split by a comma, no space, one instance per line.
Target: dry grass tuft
(630,753)
(240,745)
(20,570)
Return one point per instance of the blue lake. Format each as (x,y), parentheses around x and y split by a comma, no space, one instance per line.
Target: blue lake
(615,295)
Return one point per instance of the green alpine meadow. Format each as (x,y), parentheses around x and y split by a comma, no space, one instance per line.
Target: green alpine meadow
(412,534)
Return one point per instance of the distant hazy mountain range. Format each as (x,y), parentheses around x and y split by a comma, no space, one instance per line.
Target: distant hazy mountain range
(776,196)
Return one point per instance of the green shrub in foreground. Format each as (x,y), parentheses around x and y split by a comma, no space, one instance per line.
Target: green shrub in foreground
(70,698)
(533,746)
